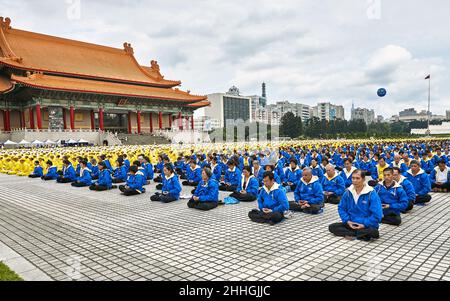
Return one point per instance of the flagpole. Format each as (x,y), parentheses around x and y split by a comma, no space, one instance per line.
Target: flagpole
(429,104)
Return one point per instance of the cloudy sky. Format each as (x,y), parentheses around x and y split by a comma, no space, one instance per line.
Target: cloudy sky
(306,51)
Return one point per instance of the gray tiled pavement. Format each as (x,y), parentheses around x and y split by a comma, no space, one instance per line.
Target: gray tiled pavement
(74,234)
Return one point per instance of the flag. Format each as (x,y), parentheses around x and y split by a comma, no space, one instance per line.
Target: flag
(428,77)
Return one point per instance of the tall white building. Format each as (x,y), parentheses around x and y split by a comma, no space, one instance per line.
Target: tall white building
(278,110)
(363,114)
(328,111)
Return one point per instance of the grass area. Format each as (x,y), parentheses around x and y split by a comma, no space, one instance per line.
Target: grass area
(7,275)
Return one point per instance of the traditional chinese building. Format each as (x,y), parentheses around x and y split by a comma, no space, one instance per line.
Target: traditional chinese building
(53,83)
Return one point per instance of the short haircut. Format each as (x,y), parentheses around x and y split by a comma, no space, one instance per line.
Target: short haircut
(134,169)
(208,172)
(293,160)
(414,162)
(361,172)
(169,167)
(269,174)
(396,169)
(248,168)
(391,170)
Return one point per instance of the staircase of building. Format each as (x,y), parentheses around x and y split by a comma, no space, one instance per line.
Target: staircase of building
(142,139)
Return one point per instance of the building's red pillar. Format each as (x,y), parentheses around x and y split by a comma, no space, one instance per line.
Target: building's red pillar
(31,118)
(139,122)
(5,127)
(160,120)
(8,120)
(22,119)
(170,120)
(72,118)
(101,119)
(180,121)
(92,120)
(192,122)
(39,116)
(64,119)
(187,123)
(151,122)
(130,128)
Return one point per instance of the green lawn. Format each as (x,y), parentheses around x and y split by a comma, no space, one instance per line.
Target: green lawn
(7,275)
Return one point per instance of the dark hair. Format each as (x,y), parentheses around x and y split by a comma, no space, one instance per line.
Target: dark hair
(347,160)
(84,162)
(134,169)
(66,162)
(414,162)
(120,161)
(272,168)
(36,162)
(208,172)
(169,167)
(269,174)
(293,161)
(396,169)
(49,162)
(103,157)
(441,162)
(248,168)
(102,164)
(361,172)
(137,163)
(391,170)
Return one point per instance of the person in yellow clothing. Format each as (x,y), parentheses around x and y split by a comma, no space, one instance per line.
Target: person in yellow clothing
(378,172)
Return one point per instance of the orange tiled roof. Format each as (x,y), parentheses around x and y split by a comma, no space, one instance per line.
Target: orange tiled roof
(5,84)
(58,83)
(37,52)
(200,104)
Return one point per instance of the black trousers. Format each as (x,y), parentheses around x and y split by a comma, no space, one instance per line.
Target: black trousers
(63,180)
(314,209)
(187,183)
(204,206)
(183,176)
(230,188)
(98,188)
(272,218)
(118,181)
(243,197)
(341,229)
(333,199)
(78,184)
(392,219)
(422,199)
(159,186)
(158,179)
(445,186)
(373,183)
(34,176)
(129,191)
(45,178)
(162,198)
(410,207)
(293,186)
(95,178)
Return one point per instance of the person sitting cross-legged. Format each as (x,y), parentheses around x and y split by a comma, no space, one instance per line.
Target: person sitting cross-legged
(421,182)
(233,178)
(292,175)
(206,196)
(38,171)
(440,177)
(104,181)
(193,174)
(360,211)
(393,198)
(407,187)
(85,178)
(69,174)
(52,172)
(171,188)
(308,194)
(120,173)
(333,185)
(135,182)
(272,202)
(250,187)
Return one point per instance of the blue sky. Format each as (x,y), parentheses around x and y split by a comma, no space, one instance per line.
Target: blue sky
(306,51)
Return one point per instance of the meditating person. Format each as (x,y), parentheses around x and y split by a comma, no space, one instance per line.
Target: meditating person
(272,202)
(393,198)
(69,174)
(248,192)
(206,196)
(316,170)
(233,178)
(308,195)
(85,178)
(398,162)
(95,170)
(104,181)
(360,211)
(193,174)
(51,172)
(120,173)
(421,182)
(333,185)
(258,172)
(407,187)
(292,175)
(135,182)
(347,172)
(377,173)
(216,169)
(440,177)
(171,188)
(38,171)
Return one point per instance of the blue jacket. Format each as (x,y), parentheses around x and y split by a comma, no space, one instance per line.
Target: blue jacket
(108,164)
(148,171)
(95,171)
(52,172)
(318,172)
(159,167)
(366,211)
(208,192)
(136,181)
(127,164)
(335,185)
(85,177)
(402,166)
(393,196)
(421,182)
(105,179)
(194,175)
(434,173)
(311,192)
(347,176)
(217,172)
(408,188)
(367,166)
(252,186)
(69,173)
(121,173)
(275,199)
(172,186)
(38,171)
(293,176)
(427,166)
(233,177)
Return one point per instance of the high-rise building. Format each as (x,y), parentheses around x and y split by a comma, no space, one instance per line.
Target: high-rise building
(328,111)
(363,114)
(278,110)
(447,113)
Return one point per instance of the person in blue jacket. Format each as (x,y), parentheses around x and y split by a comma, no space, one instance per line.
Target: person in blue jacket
(248,191)
(233,178)
(52,172)
(407,187)
(308,195)
(440,177)
(69,174)
(179,165)
(360,211)
(272,202)
(393,199)
(171,187)
(85,178)
(126,162)
(95,170)
(206,196)
(292,175)
(216,169)
(333,185)
(193,174)
(398,162)
(102,158)
(135,182)
(347,172)
(147,167)
(38,171)
(104,181)
(120,174)
(316,170)
(258,172)
(421,182)
(271,168)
